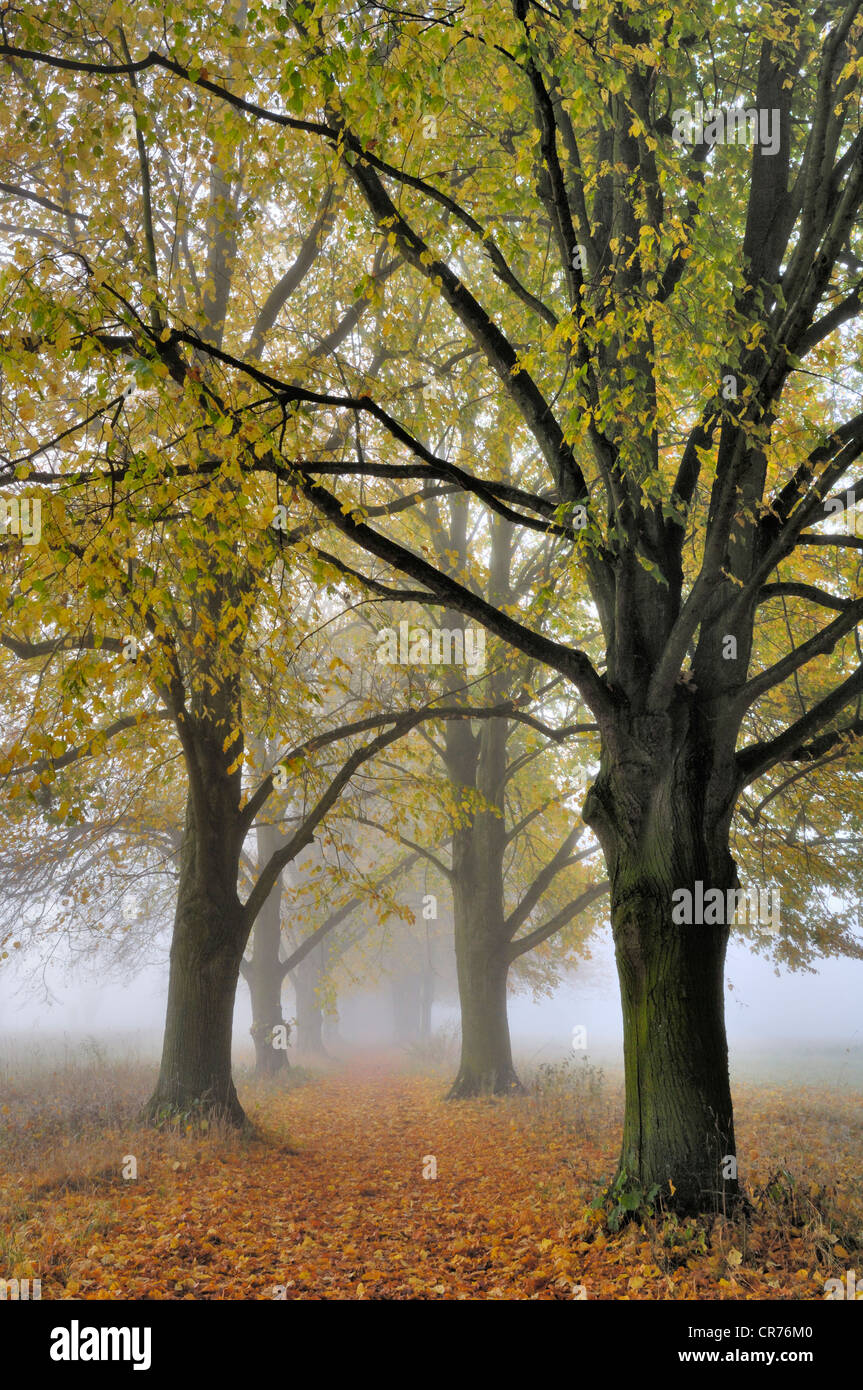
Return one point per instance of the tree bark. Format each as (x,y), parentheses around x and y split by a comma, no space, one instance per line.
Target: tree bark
(486,1066)
(210,924)
(481,940)
(478,762)
(662,816)
(265,991)
(207,947)
(678,1125)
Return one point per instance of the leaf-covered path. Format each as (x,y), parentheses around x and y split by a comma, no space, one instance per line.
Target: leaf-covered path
(330,1201)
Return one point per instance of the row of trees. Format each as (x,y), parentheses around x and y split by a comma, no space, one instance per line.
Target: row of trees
(443,294)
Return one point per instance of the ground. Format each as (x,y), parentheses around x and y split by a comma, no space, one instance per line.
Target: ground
(328,1198)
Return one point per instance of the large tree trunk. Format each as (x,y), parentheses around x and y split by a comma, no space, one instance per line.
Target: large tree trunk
(678,1125)
(486,1066)
(663,823)
(209,936)
(195,1072)
(210,933)
(264,972)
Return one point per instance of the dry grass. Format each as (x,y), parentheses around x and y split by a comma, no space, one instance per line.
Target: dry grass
(324,1196)
(800,1154)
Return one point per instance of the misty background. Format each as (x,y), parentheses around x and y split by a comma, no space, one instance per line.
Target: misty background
(780,1023)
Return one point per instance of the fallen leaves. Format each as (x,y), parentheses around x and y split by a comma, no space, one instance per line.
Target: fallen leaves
(343,1210)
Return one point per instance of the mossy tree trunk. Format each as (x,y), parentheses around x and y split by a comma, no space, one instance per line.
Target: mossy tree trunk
(661,812)
(678,1125)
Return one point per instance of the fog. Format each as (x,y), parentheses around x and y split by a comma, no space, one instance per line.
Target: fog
(808,1021)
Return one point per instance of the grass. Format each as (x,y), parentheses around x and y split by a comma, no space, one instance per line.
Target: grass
(332,1164)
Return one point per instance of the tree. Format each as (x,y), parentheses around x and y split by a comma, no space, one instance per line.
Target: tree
(263,973)
(651,443)
(153,593)
(293,936)
(649,299)
(494,798)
